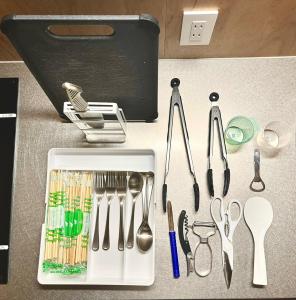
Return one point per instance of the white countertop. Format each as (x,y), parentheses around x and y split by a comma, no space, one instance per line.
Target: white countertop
(263,88)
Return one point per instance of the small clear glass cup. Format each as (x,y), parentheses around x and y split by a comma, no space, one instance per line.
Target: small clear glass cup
(274,136)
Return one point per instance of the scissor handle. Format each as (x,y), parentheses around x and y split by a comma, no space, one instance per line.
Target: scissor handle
(233,223)
(220,223)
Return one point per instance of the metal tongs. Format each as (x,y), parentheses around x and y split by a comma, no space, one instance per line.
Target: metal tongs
(215,114)
(177,101)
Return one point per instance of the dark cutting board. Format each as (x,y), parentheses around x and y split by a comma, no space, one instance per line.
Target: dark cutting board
(121,68)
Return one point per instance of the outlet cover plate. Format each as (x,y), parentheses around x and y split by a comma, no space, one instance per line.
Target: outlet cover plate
(190,19)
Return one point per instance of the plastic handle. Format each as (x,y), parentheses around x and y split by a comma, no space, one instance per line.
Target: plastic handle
(175,82)
(164,196)
(260,275)
(174,252)
(196,196)
(214,97)
(210,182)
(226,181)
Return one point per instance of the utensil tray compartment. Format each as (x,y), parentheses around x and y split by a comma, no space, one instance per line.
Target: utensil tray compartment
(107,267)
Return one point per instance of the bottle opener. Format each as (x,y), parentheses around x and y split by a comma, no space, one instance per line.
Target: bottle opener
(257,178)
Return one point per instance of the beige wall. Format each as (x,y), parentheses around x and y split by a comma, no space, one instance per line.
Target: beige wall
(243,27)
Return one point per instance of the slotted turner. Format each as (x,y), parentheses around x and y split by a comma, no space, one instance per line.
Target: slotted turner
(258,215)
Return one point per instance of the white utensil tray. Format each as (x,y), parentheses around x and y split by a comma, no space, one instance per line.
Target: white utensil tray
(107,267)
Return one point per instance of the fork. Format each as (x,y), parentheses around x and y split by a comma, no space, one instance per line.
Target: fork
(100,192)
(121,193)
(110,188)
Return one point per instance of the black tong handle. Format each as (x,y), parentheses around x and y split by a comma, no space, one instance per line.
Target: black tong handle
(226,181)
(196,195)
(164,196)
(210,182)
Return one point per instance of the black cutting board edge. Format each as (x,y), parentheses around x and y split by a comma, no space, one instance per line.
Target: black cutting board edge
(122,69)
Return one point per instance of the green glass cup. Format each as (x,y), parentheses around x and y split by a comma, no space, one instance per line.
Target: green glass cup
(240,130)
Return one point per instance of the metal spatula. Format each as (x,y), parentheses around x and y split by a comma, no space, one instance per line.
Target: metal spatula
(258,215)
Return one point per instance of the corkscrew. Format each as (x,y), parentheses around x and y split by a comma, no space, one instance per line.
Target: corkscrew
(184,241)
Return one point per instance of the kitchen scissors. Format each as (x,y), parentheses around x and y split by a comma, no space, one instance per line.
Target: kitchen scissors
(226,226)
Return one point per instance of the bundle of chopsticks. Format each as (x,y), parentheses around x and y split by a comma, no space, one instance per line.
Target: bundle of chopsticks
(68,221)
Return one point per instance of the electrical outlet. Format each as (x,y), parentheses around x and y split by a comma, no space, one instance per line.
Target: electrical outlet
(197,27)
(197,30)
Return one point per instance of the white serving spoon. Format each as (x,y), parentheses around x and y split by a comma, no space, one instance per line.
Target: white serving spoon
(258,215)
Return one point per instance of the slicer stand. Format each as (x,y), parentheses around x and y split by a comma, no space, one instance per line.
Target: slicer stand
(101,123)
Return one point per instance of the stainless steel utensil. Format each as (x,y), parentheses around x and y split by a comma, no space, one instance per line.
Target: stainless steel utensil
(258,215)
(135,186)
(86,117)
(257,177)
(144,237)
(192,260)
(226,226)
(99,188)
(74,94)
(110,187)
(121,193)
(176,100)
(203,243)
(215,115)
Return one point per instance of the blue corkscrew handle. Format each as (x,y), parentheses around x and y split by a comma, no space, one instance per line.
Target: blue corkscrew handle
(174,253)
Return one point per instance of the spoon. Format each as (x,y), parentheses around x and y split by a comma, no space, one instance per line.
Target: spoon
(258,215)
(144,234)
(135,186)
